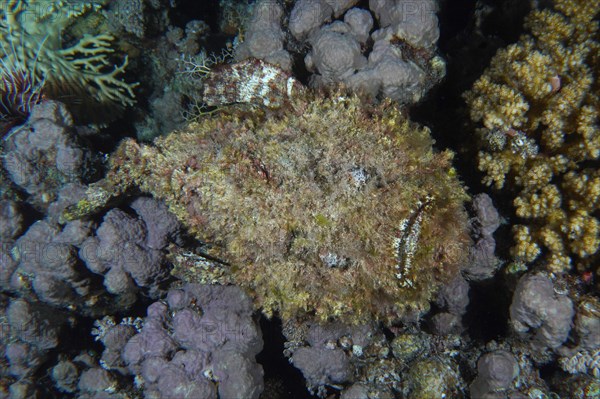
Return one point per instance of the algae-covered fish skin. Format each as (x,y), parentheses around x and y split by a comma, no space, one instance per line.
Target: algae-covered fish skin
(328,207)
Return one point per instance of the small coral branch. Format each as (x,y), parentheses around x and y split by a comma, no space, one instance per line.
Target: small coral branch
(90,57)
(200,65)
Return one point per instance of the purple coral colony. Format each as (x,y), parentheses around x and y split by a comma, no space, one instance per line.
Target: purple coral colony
(348,199)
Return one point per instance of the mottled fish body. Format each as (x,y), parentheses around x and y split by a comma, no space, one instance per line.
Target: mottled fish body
(250,82)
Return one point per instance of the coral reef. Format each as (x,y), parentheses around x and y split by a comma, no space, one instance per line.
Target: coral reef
(496,372)
(536,306)
(434,378)
(201,344)
(361,362)
(552,321)
(85,377)
(582,362)
(131,16)
(578,387)
(582,355)
(587,322)
(264,37)
(45,153)
(332,212)
(50,273)
(506,369)
(47,266)
(386,51)
(323,362)
(114,337)
(179,63)
(128,250)
(11,220)
(537,108)
(60,264)
(30,331)
(453,299)
(482,262)
(327,208)
(234,14)
(32,40)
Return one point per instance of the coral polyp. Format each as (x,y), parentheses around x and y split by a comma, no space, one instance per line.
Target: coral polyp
(326,208)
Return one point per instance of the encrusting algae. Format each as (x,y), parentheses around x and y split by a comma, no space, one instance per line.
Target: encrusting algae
(538,107)
(327,208)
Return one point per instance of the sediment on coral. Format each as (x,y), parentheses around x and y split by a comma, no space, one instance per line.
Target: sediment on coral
(537,108)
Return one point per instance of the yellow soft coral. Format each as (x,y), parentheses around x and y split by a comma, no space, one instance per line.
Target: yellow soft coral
(537,106)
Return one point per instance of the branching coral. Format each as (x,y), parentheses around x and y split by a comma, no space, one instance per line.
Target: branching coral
(538,107)
(328,208)
(31,34)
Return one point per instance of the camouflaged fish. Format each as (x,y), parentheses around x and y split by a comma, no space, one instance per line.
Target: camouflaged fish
(250,82)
